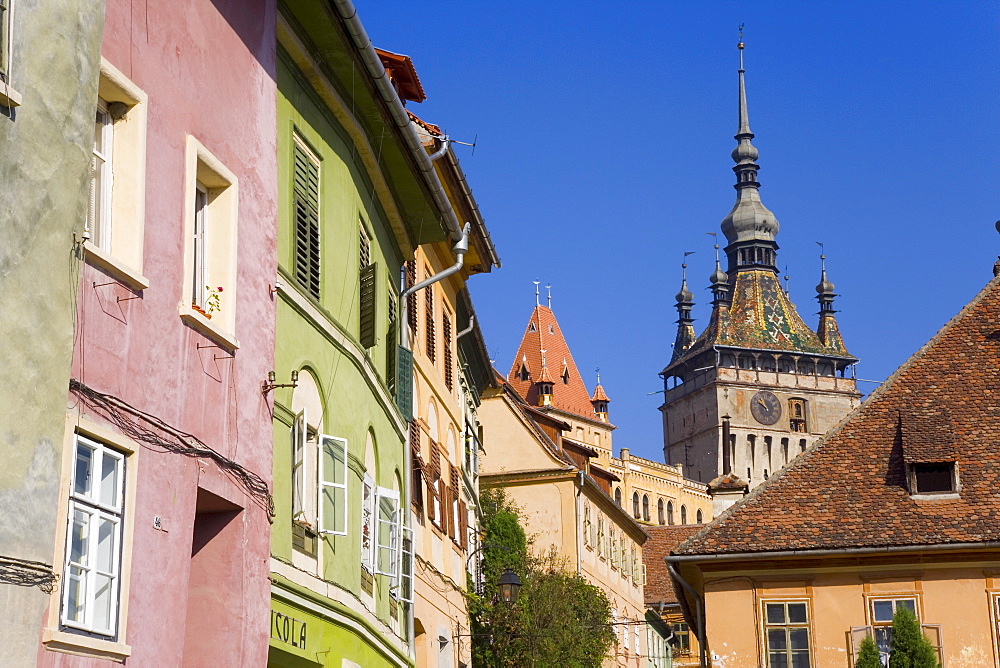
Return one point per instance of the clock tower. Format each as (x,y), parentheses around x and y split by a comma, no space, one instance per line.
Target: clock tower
(757,386)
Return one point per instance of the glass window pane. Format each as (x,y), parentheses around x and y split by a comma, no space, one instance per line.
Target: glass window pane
(883,638)
(796,613)
(882,611)
(103,602)
(778,660)
(109,479)
(84,467)
(79,540)
(908,603)
(798,638)
(776,639)
(106,546)
(800,659)
(775,613)
(76,594)
(333,502)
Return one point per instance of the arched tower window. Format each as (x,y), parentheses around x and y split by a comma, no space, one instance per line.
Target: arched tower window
(635,505)
(797,417)
(670,512)
(645,507)
(659,512)
(618,495)
(701,517)
(684,515)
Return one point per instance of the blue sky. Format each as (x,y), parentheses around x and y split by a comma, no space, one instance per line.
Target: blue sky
(604,133)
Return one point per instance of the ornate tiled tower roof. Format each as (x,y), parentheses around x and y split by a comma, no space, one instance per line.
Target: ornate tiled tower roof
(750,308)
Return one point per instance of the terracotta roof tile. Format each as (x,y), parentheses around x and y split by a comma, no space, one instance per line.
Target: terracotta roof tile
(662,539)
(850,488)
(543,333)
(599,394)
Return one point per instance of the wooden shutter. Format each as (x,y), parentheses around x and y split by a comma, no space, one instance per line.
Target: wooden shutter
(431,347)
(391,343)
(410,272)
(463,516)
(305,194)
(368,315)
(417,465)
(404,382)
(456,495)
(449,376)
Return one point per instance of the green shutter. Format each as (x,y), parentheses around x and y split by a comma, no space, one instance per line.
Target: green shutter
(404,383)
(368,313)
(305,189)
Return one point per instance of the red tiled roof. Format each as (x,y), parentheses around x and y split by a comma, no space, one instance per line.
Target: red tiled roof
(403,74)
(662,539)
(429,127)
(571,396)
(850,488)
(599,394)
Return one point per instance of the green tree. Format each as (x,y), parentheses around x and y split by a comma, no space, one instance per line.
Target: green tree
(558,620)
(868,655)
(910,648)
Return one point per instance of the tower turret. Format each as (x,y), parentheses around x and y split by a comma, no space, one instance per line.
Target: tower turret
(750,227)
(600,401)
(828,330)
(685,323)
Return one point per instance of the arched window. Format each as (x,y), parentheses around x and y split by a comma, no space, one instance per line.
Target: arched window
(645,507)
(618,495)
(659,512)
(635,505)
(670,512)
(701,518)
(684,515)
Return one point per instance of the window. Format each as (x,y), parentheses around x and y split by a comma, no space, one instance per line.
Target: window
(417,477)
(681,640)
(932,477)
(633,564)
(333,486)
(93,569)
(701,517)
(684,514)
(670,513)
(449,374)
(797,415)
(565,375)
(305,198)
(600,538)
(99,210)
(5,40)
(586,526)
(388,532)
(409,280)
(210,232)
(522,373)
(624,557)
(391,338)
(116,210)
(614,549)
(786,629)
(659,512)
(645,507)
(635,505)
(882,611)
(368,528)
(303,470)
(618,495)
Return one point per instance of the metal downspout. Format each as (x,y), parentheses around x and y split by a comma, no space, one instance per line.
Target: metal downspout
(579,514)
(472,324)
(699,610)
(349,15)
(459,249)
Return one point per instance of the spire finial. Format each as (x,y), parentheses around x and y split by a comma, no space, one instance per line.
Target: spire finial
(786,279)
(824,291)
(537,303)
(598,375)
(548,290)
(740,46)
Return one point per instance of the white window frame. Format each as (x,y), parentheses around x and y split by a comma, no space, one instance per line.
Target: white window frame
(387,546)
(601,547)
(586,525)
(786,625)
(109,509)
(368,524)
(199,251)
(882,629)
(99,220)
(333,488)
(300,434)
(405,589)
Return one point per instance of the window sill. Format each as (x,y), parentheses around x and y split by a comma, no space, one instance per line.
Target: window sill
(8,96)
(208,328)
(936,496)
(71,643)
(115,268)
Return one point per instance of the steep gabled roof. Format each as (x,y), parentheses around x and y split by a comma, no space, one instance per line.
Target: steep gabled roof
(662,539)
(542,333)
(850,488)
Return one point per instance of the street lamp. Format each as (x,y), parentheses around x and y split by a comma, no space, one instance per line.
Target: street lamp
(510,585)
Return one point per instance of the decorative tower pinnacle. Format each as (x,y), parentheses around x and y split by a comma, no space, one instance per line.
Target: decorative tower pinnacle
(600,400)
(750,227)
(824,291)
(544,384)
(720,282)
(828,330)
(685,323)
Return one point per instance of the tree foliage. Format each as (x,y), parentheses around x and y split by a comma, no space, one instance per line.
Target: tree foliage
(559,618)
(910,648)
(868,656)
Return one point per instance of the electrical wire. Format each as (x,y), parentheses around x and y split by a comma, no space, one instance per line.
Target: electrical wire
(25,573)
(121,414)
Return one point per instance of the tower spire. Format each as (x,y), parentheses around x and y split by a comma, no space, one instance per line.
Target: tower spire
(537,303)
(685,323)
(750,227)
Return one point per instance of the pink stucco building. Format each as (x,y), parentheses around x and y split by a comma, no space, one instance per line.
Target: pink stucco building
(162,537)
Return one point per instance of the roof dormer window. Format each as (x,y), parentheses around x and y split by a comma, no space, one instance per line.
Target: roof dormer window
(933,478)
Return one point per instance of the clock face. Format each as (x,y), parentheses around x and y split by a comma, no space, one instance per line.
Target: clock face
(765,407)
